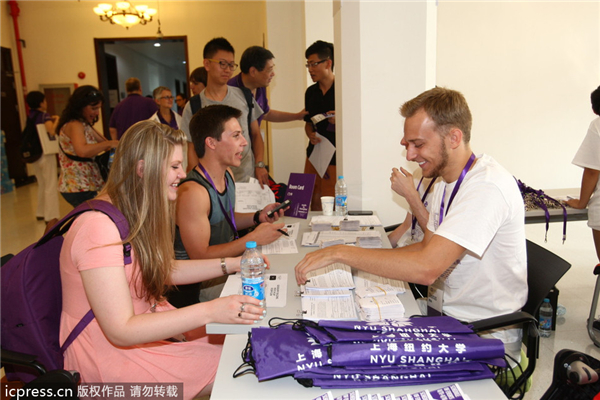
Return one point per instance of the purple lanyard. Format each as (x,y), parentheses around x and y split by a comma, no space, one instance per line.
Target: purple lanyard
(414,219)
(456,187)
(231,217)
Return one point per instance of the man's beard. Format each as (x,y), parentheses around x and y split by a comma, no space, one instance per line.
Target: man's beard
(442,164)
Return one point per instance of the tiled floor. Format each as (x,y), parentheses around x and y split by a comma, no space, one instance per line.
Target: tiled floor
(20,228)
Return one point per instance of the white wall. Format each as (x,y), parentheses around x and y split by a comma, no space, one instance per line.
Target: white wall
(293,26)
(287,88)
(527,70)
(385,61)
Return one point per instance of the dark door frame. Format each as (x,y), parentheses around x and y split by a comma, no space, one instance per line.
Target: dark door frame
(101,67)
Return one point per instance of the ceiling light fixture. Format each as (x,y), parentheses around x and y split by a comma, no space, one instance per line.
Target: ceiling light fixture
(124,14)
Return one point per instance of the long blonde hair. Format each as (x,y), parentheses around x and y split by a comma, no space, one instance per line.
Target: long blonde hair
(144,202)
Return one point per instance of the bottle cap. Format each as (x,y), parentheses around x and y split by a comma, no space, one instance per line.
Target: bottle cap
(341,177)
(546,300)
(251,245)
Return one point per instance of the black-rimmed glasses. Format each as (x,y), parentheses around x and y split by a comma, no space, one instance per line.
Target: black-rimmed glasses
(314,64)
(224,64)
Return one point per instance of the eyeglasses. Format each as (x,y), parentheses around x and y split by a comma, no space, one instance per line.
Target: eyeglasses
(314,65)
(167,98)
(224,64)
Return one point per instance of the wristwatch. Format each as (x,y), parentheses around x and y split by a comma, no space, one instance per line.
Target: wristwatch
(259,164)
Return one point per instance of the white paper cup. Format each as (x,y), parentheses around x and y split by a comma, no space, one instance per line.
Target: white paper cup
(327,204)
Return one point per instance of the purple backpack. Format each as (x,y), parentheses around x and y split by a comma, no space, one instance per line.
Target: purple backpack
(32,294)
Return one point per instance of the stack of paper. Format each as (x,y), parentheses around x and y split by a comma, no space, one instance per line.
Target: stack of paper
(364,220)
(380,308)
(364,279)
(350,225)
(334,276)
(335,280)
(315,238)
(332,242)
(318,307)
(369,242)
(308,292)
(377,291)
(321,226)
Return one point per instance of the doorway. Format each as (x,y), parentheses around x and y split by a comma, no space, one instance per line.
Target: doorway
(155,62)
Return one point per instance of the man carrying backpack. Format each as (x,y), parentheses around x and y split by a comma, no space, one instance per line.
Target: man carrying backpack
(45,167)
(219,64)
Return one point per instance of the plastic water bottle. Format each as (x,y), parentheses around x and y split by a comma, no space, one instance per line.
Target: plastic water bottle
(341,197)
(546,313)
(253,272)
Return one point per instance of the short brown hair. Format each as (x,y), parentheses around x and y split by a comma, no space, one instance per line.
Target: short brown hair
(210,122)
(446,107)
(133,85)
(199,75)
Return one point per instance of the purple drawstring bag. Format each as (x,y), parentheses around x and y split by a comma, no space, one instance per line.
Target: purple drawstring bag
(416,352)
(338,354)
(310,379)
(333,335)
(413,325)
(398,369)
(276,352)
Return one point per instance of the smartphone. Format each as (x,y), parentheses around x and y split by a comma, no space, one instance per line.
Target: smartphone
(285,204)
(360,212)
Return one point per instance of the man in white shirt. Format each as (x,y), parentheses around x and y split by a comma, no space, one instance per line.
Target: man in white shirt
(473,254)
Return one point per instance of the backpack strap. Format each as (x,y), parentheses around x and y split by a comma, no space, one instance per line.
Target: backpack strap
(87,318)
(63,226)
(96,205)
(250,100)
(195,103)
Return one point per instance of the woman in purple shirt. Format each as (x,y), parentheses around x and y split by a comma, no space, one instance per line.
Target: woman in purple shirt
(165,115)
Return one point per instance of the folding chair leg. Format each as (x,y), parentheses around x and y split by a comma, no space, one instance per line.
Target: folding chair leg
(592,317)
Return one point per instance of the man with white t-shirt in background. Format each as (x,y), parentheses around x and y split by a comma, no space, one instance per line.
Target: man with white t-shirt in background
(473,255)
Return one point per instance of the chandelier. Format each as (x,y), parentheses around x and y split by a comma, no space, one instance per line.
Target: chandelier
(124,14)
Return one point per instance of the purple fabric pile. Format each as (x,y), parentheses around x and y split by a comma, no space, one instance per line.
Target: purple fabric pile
(354,354)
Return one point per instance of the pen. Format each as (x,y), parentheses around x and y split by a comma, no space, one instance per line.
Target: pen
(284,232)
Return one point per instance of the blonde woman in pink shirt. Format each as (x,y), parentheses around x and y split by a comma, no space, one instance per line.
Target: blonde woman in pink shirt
(137,336)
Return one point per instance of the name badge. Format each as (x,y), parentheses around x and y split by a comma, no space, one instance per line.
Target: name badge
(435,297)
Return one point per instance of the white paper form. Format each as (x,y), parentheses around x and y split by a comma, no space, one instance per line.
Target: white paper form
(307,292)
(334,276)
(337,308)
(365,220)
(276,288)
(314,239)
(321,154)
(284,244)
(249,197)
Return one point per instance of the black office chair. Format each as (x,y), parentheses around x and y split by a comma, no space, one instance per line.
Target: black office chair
(544,270)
